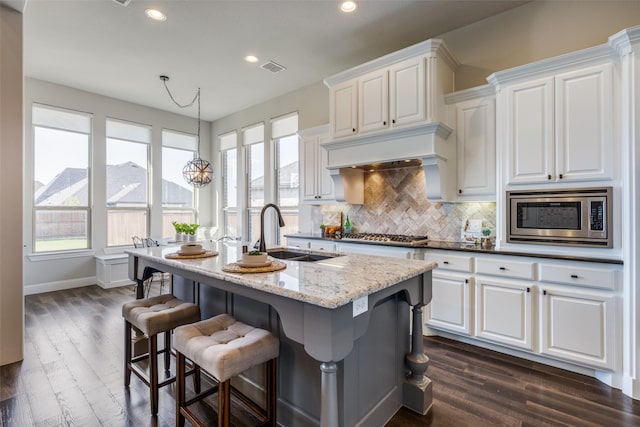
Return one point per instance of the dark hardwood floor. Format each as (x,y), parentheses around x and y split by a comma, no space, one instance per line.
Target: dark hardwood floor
(72,376)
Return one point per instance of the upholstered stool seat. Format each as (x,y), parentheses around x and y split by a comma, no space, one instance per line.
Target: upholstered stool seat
(153,316)
(225,347)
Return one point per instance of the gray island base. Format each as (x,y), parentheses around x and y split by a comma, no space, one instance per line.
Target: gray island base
(350,329)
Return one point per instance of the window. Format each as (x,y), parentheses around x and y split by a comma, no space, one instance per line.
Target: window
(229,150)
(285,138)
(61,179)
(253,138)
(127,181)
(178,201)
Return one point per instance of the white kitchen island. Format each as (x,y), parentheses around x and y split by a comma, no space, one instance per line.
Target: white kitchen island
(351,353)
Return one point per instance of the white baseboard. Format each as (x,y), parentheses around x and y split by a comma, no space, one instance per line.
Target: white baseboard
(59,285)
(115,284)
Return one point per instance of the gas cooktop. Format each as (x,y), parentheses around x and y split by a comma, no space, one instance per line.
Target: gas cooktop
(387,239)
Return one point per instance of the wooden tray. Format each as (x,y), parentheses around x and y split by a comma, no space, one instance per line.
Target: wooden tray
(236,268)
(176,255)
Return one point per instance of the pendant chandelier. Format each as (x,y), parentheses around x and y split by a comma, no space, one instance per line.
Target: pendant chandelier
(197,172)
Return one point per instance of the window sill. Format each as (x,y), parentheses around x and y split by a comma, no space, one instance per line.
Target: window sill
(85,253)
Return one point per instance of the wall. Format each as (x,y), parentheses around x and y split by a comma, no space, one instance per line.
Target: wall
(11,299)
(395,203)
(46,273)
(535,31)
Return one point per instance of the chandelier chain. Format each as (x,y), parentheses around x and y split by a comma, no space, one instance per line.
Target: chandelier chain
(196,97)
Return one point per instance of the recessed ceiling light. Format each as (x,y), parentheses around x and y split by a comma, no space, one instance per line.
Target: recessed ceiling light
(251,58)
(348,6)
(156,14)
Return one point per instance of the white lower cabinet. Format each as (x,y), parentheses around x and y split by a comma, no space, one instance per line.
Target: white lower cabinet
(578,326)
(504,311)
(451,302)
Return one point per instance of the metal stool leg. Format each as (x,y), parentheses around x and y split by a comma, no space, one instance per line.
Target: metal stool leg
(127,353)
(153,373)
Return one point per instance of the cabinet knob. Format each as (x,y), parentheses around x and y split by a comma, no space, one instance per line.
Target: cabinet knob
(466,280)
(445,262)
(574,276)
(459,191)
(528,289)
(502,268)
(393,121)
(384,123)
(354,129)
(544,292)
(549,177)
(560,176)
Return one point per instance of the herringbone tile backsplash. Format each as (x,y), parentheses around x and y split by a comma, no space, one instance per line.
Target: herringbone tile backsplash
(395,202)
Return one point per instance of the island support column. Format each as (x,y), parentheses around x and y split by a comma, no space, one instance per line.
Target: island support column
(329,392)
(417,390)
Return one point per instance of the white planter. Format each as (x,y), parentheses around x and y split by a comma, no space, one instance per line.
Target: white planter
(191,237)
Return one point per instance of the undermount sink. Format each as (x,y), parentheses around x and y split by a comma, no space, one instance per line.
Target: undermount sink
(298,256)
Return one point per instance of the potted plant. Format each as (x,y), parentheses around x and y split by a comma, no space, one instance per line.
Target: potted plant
(486,240)
(190,231)
(180,230)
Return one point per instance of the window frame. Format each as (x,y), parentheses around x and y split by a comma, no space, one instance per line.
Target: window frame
(149,178)
(229,141)
(276,136)
(88,208)
(193,211)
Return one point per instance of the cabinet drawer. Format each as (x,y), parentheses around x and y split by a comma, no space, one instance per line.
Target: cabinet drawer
(580,274)
(297,243)
(506,268)
(451,262)
(320,245)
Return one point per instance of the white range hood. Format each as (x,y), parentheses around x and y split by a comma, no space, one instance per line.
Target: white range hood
(425,145)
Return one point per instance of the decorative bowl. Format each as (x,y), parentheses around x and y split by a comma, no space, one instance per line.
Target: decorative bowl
(191,249)
(254,258)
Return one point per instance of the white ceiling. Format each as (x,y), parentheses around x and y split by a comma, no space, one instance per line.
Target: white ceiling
(102,47)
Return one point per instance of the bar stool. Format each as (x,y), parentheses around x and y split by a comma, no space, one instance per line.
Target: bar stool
(224,348)
(153,316)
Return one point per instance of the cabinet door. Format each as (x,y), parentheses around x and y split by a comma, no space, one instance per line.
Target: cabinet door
(503,312)
(325,183)
(309,148)
(578,326)
(407,92)
(343,109)
(584,124)
(373,89)
(476,139)
(450,304)
(529,132)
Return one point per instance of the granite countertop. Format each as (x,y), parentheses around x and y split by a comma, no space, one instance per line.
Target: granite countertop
(329,283)
(466,247)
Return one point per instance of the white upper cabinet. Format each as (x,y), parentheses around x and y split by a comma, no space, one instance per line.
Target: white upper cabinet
(402,88)
(584,124)
(474,112)
(343,109)
(407,92)
(317,185)
(529,128)
(557,119)
(374,101)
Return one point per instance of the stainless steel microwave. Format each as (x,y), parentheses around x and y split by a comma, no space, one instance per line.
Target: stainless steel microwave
(572,217)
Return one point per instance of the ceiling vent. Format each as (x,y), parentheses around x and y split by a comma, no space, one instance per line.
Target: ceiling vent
(272,66)
(123,2)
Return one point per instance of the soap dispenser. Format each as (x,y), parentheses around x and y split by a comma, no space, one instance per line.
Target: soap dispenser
(347,226)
